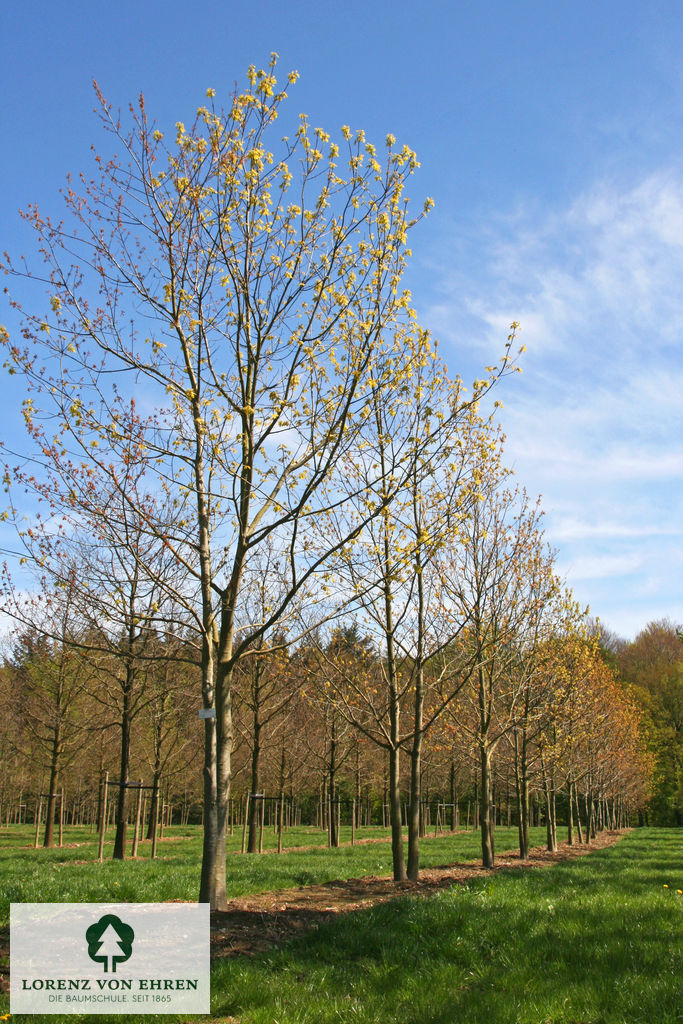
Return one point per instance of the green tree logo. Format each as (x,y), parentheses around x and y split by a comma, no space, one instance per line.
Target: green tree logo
(110,941)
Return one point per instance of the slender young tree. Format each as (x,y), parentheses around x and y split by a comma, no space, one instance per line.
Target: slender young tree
(394,569)
(495,583)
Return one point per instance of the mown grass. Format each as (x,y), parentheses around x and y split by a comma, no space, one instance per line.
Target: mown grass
(73,875)
(595,940)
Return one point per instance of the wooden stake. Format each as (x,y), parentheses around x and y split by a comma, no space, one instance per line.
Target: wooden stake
(136,833)
(154,833)
(103,815)
(280,823)
(39,815)
(330,811)
(244,826)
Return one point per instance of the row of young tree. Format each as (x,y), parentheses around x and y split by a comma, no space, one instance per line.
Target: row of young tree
(296,743)
(241,437)
(454,685)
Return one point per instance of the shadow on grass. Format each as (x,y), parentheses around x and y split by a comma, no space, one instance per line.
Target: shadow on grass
(591,940)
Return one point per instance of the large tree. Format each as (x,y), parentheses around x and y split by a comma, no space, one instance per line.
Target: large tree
(244,294)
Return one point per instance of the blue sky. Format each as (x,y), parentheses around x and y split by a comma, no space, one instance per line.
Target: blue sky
(550,138)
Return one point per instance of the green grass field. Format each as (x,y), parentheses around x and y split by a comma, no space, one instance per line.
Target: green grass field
(596,940)
(72,874)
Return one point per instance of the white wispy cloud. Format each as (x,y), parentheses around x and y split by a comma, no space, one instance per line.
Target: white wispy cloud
(595,422)
(596,567)
(567,528)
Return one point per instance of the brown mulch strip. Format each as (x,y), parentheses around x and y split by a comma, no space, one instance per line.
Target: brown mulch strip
(252,924)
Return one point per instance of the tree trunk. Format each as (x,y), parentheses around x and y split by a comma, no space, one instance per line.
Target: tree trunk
(399,866)
(207,883)
(550,805)
(153,805)
(414,817)
(522,786)
(579,830)
(551,841)
(207,892)
(156,774)
(475,816)
(415,823)
(124,765)
(332,768)
(553,813)
(224,740)
(357,812)
(49,839)
(454,817)
(252,846)
(547,793)
(487,842)
(397,854)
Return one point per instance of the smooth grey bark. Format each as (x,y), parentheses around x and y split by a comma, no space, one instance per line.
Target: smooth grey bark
(124,765)
(397,854)
(398,863)
(549,794)
(156,767)
(414,812)
(207,883)
(55,758)
(579,830)
(453,796)
(332,785)
(254,810)
(414,821)
(224,741)
(522,789)
(487,840)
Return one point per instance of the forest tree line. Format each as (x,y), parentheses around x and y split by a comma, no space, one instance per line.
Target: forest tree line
(296,738)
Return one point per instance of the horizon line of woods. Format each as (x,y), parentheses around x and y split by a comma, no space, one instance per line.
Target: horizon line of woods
(252,484)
